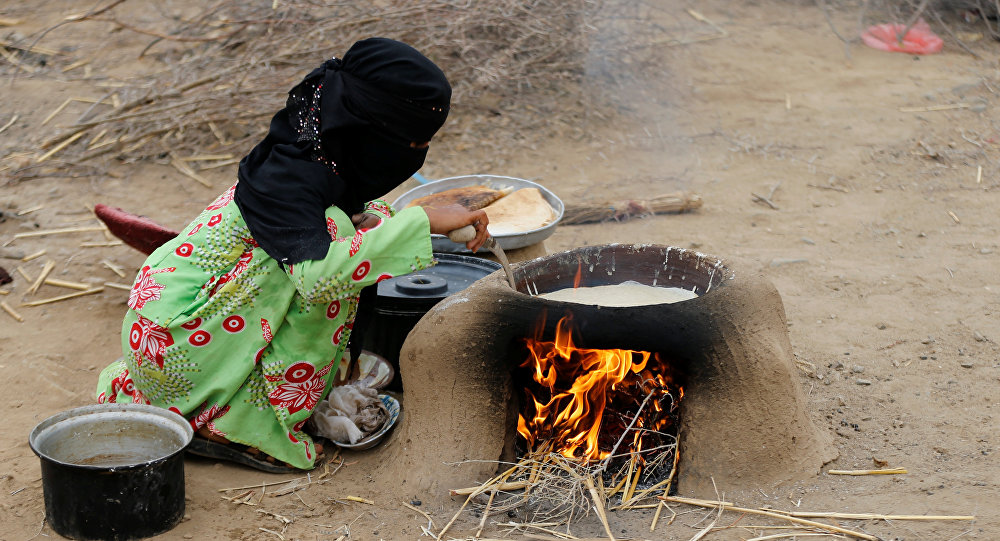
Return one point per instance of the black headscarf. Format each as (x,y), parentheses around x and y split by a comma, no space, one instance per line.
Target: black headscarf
(343,138)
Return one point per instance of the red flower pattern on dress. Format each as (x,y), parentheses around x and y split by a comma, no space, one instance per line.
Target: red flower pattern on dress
(193,324)
(383,276)
(199,338)
(241,266)
(150,340)
(196,229)
(207,415)
(331,227)
(214,220)
(362,270)
(185,250)
(333,310)
(265,329)
(223,199)
(303,389)
(355,244)
(145,288)
(234,324)
(380,207)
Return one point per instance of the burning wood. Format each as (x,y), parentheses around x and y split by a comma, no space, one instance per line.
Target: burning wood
(600,433)
(592,400)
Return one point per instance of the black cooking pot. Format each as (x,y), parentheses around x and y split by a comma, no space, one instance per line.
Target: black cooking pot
(112,471)
(403,300)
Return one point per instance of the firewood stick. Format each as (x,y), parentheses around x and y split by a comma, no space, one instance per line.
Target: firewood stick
(482,488)
(49,265)
(731,507)
(512,485)
(6,308)
(876,516)
(24,274)
(666,491)
(887,471)
(35,255)
(123,287)
(59,147)
(57,231)
(4,292)
(64,297)
(486,513)
(599,505)
(428,517)
(113,268)
(69,285)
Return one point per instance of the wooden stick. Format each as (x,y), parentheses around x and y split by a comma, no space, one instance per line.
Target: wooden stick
(4,292)
(979,173)
(35,255)
(359,500)
(886,471)
(820,525)
(64,297)
(599,505)
(428,517)
(113,285)
(9,123)
(57,231)
(56,111)
(876,516)
(954,217)
(666,491)
(60,146)
(49,265)
(6,308)
(24,274)
(30,210)
(113,268)
(788,534)
(512,485)
(106,244)
(486,513)
(183,168)
(67,284)
(934,108)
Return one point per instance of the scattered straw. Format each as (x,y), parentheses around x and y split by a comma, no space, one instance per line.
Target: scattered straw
(885,471)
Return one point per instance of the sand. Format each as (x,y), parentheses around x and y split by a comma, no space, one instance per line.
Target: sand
(882,241)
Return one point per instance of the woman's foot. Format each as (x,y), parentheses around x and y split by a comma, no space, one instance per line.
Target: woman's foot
(257,454)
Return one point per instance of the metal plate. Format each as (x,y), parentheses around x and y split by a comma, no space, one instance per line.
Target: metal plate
(510,241)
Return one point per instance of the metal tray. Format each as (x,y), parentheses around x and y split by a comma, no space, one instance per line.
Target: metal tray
(510,241)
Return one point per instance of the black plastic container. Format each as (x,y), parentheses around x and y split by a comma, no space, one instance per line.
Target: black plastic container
(112,471)
(403,300)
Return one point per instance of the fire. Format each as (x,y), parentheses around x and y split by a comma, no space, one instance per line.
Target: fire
(582,386)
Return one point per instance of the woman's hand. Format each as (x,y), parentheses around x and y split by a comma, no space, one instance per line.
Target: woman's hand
(448,218)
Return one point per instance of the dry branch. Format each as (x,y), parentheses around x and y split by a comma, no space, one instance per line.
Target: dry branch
(677,202)
(731,507)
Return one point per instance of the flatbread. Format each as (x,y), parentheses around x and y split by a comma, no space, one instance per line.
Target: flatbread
(470,197)
(524,210)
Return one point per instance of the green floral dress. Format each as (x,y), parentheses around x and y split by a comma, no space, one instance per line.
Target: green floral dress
(225,336)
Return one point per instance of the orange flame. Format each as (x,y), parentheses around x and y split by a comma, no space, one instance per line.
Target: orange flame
(580,383)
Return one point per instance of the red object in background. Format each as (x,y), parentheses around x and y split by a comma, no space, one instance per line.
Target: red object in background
(918,40)
(138,232)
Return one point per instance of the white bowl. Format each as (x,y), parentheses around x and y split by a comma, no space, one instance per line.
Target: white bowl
(392,406)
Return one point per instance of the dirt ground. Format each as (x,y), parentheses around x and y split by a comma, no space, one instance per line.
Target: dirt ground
(881,170)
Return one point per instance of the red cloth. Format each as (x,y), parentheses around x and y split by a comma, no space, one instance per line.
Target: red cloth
(918,40)
(138,232)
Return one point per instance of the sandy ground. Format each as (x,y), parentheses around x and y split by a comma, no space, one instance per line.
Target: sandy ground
(882,240)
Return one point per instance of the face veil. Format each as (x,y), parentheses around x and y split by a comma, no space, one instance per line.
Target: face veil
(343,138)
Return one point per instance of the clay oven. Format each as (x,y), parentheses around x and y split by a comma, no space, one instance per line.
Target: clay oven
(744,421)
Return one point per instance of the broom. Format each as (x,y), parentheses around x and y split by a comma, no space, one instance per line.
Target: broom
(670,203)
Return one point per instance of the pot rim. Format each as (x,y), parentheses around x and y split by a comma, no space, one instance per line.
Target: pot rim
(172,420)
